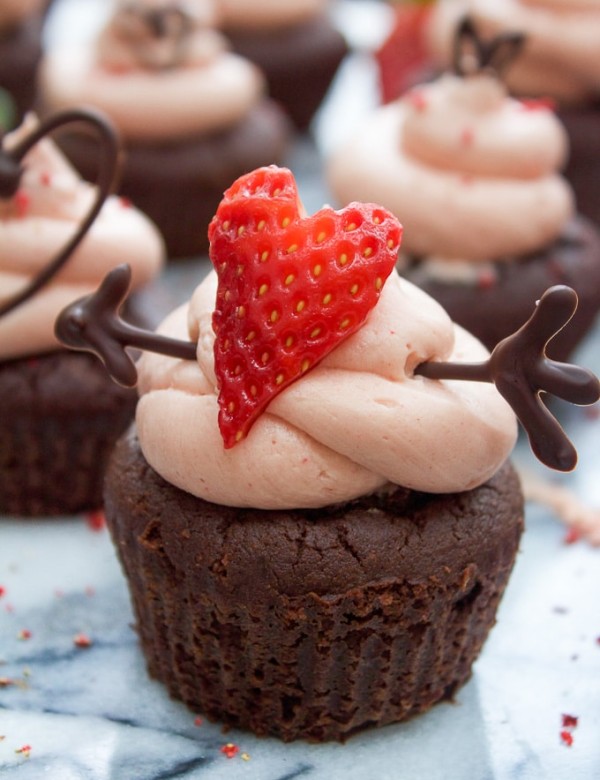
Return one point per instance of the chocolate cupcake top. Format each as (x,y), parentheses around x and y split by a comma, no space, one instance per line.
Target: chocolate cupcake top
(561,58)
(158,70)
(37,221)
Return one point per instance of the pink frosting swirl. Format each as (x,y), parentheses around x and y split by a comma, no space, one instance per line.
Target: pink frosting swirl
(471,173)
(154,88)
(37,222)
(561,57)
(358,422)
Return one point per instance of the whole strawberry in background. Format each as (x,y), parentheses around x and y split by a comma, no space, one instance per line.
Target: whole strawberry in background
(291,287)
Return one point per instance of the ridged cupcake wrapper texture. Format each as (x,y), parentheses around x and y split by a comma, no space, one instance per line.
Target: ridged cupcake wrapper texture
(308,667)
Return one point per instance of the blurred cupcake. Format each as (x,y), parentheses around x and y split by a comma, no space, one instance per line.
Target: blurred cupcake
(20,50)
(60,415)
(191,114)
(489,222)
(293,43)
(560,61)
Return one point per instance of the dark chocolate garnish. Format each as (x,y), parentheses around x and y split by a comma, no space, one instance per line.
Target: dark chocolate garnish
(519,368)
(472,54)
(93,324)
(10,176)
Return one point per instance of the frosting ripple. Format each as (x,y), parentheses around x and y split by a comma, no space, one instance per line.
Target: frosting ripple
(357,423)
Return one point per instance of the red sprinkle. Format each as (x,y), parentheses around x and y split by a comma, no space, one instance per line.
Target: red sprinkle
(96,520)
(230,750)
(22,202)
(24,633)
(45,179)
(417,99)
(539,104)
(572,536)
(82,640)
(198,721)
(467,136)
(566,737)
(569,721)
(125,202)
(2,591)
(486,279)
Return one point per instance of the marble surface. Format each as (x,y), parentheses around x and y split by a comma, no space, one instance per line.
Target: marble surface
(76,702)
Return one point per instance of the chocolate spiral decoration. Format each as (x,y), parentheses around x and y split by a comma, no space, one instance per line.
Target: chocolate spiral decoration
(11,171)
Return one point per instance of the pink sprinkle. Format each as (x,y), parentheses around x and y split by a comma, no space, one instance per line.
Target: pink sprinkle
(573,535)
(96,520)
(24,634)
(22,202)
(539,104)
(466,179)
(467,136)
(417,99)
(2,591)
(9,608)
(45,179)
(25,750)
(82,640)
(90,591)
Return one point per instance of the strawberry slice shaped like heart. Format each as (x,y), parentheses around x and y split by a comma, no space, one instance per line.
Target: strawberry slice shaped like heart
(291,288)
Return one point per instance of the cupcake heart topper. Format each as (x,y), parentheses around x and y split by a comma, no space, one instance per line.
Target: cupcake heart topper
(279,312)
(473,54)
(11,170)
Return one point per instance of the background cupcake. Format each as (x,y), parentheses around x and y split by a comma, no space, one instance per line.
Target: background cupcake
(60,414)
(293,43)
(560,61)
(192,115)
(489,222)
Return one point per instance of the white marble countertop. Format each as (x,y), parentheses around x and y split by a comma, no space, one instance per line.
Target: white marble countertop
(75,712)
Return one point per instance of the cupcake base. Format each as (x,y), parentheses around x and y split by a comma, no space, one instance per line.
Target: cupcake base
(180,183)
(311,624)
(496,306)
(299,63)
(61,415)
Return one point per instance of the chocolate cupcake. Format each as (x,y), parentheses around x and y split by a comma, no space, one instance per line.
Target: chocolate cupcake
(192,115)
(20,50)
(306,554)
(489,221)
(560,62)
(293,43)
(60,415)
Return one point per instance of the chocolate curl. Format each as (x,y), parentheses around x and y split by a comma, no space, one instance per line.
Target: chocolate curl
(10,176)
(472,54)
(519,368)
(93,324)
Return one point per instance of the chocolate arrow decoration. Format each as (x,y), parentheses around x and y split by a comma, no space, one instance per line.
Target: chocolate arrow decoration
(11,171)
(518,366)
(472,54)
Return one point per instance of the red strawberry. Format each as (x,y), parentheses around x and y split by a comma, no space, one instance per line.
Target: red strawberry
(402,59)
(290,288)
